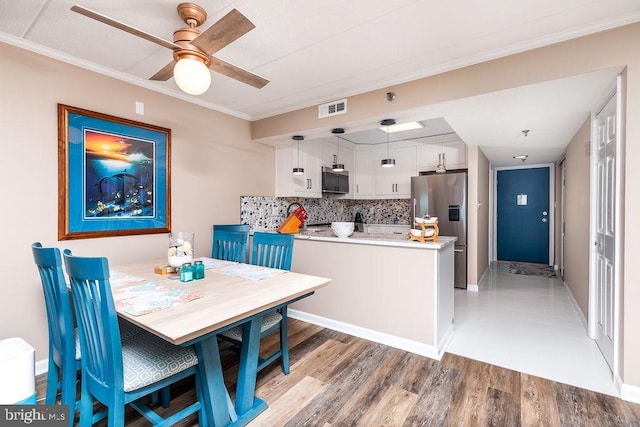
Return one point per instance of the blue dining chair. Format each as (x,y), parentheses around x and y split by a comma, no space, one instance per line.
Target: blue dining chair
(230,242)
(275,251)
(64,346)
(118,372)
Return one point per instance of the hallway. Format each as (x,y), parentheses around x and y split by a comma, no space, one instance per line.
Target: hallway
(528,324)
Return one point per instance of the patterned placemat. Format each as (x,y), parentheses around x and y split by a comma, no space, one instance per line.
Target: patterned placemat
(238,269)
(148,297)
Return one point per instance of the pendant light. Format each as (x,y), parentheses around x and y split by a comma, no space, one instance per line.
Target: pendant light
(337,166)
(388,162)
(298,170)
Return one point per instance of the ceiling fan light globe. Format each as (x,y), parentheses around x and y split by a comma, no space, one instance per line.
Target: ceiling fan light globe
(192,76)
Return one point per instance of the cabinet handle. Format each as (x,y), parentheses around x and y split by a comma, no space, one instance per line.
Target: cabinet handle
(357,188)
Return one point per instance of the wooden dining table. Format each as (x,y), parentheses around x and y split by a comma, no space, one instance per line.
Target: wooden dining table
(193,313)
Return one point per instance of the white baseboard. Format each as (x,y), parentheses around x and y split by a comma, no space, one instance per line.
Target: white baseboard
(42,366)
(583,319)
(369,334)
(444,342)
(476,287)
(630,393)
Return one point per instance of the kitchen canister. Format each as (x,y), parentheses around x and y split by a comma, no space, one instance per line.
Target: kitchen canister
(186,272)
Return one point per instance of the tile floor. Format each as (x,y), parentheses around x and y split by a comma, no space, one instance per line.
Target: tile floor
(528,324)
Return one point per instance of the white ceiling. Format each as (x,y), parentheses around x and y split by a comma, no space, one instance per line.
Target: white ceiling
(314,52)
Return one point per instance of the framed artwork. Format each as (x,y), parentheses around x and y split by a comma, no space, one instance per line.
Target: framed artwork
(114,176)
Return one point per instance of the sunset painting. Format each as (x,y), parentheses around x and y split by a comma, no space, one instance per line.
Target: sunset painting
(118,176)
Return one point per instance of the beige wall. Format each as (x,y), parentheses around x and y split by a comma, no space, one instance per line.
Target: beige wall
(478,215)
(607,49)
(482,212)
(214,162)
(370,281)
(576,251)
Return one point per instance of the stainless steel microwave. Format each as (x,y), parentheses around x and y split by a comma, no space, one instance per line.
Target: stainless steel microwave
(334,182)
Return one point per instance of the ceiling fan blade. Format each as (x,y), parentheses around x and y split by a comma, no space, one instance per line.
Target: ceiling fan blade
(237,73)
(229,28)
(165,73)
(124,27)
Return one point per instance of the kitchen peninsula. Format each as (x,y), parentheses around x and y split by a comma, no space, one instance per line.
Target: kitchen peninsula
(385,288)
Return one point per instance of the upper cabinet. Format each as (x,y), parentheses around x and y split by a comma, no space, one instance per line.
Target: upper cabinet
(395,182)
(367,178)
(455,155)
(304,155)
(363,174)
(332,153)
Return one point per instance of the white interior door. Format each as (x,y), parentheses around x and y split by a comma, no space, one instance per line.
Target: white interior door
(605,136)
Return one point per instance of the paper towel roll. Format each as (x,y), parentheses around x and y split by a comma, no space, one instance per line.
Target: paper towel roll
(17,371)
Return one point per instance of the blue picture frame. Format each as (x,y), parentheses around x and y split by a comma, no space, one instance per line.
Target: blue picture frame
(114,176)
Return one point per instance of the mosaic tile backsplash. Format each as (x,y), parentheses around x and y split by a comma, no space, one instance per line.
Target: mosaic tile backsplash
(267,213)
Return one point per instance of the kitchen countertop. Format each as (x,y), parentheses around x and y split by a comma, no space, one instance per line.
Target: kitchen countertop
(361,238)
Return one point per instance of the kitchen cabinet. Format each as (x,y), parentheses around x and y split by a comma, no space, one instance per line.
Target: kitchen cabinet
(395,182)
(330,153)
(455,155)
(363,174)
(306,185)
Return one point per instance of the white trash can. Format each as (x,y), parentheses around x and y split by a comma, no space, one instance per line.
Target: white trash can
(17,372)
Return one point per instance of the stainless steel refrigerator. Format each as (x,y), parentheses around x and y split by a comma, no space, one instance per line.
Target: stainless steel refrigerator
(445,195)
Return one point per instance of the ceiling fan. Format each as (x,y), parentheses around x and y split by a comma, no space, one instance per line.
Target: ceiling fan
(193,49)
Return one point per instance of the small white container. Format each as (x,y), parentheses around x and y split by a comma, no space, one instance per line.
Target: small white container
(17,372)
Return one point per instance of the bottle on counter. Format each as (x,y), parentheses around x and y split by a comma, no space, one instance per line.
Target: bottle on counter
(186,272)
(198,270)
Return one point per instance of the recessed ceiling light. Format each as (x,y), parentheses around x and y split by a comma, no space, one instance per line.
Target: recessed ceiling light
(402,126)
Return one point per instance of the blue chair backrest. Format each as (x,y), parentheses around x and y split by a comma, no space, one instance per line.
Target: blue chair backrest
(244,228)
(97,322)
(57,301)
(230,245)
(272,250)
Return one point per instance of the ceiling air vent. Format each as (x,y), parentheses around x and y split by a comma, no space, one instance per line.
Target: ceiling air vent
(332,108)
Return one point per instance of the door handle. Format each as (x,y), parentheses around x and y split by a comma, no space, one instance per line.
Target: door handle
(458,250)
(544,220)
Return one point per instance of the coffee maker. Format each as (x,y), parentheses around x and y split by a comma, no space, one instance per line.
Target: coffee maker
(358,223)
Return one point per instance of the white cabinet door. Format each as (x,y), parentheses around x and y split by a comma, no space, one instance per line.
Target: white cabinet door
(363,174)
(309,184)
(406,167)
(290,185)
(395,182)
(455,155)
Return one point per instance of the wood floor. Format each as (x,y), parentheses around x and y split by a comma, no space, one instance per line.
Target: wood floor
(340,380)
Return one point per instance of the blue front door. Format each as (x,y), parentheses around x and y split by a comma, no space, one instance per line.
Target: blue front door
(523,215)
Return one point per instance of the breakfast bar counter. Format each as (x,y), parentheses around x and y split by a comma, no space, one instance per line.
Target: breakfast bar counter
(385,288)
(361,238)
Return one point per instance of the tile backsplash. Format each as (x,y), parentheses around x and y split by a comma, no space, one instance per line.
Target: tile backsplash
(267,213)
